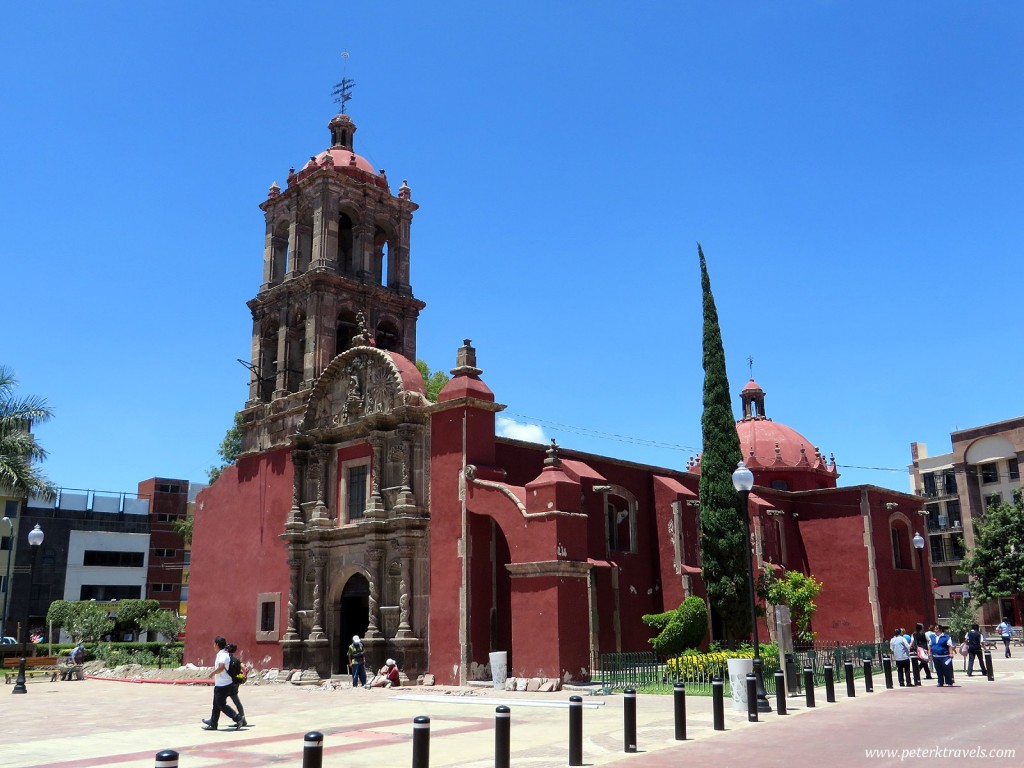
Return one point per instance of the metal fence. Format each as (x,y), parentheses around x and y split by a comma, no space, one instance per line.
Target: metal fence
(645,672)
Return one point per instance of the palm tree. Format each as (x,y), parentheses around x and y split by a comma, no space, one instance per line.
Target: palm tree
(18,448)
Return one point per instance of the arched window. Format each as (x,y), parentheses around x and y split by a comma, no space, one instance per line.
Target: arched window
(296,353)
(381,267)
(279,256)
(346,238)
(268,361)
(899,535)
(345,330)
(620,520)
(387,336)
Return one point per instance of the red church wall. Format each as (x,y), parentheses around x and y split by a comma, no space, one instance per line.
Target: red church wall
(549,639)
(236,555)
(832,530)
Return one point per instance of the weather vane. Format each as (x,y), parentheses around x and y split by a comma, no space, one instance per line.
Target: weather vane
(750,364)
(343,91)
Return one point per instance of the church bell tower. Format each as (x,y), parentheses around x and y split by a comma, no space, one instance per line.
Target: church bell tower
(335,265)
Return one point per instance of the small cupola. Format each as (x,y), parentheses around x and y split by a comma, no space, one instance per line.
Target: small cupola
(343,131)
(752,398)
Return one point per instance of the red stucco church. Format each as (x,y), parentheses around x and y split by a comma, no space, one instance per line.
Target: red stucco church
(359,507)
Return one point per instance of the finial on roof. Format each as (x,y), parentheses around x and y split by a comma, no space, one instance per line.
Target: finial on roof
(465,360)
(404,193)
(552,460)
(274,190)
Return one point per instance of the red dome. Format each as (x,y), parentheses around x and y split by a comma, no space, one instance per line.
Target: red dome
(761,436)
(342,159)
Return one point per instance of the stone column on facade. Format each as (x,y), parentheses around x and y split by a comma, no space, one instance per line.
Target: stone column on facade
(316,634)
(293,248)
(296,522)
(404,594)
(291,634)
(281,384)
(406,501)
(375,504)
(363,250)
(321,517)
(373,627)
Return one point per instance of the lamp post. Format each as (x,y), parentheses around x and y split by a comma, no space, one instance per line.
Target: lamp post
(35,539)
(743,481)
(919,546)
(7,578)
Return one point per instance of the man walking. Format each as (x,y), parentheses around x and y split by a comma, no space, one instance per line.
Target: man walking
(901,656)
(975,640)
(1005,630)
(221,688)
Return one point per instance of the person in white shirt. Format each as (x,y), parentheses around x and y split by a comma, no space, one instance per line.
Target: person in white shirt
(1005,630)
(901,657)
(221,688)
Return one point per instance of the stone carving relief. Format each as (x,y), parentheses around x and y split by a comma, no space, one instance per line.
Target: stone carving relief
(366,385)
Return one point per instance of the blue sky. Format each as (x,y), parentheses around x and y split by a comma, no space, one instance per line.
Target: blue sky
(853,171)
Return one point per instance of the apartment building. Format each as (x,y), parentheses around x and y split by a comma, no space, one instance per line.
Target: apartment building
(983,468)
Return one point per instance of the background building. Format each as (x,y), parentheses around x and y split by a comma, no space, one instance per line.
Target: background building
(982,469)
(11,506)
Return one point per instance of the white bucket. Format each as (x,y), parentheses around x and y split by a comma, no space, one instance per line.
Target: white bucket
(499,668)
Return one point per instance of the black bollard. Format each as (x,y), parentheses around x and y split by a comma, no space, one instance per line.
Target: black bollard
(167,759)
(629,720)
(988,665)
(848,668)
(679,699)
(809,686)
(887,671)
(751,698)
(780,691)
(830,684)
(869,680)
(313,750)
(421,742)
(502,741)
(575,730)
(718,703)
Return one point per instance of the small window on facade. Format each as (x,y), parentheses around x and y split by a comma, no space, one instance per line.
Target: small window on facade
(5,544)
(990,473)
(165,552)
(933,516)
(11,508)
(162,588)
(949,482)
(928,478)
(780,485)
(897,552)
(1014,469)
(620,524)
(993,500)
(356,488)
(953,513)
(267,617)
(188,557)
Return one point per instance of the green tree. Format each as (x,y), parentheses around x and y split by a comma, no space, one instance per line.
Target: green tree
(183,527)
(795,590)
(961,616)
(432,382)
(995,565)
(679,630)
(19,450)
(230,449)
(725,549)
(165,623)
(84,621)
(131,614)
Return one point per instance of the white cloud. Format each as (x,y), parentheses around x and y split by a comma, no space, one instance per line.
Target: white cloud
(531,433)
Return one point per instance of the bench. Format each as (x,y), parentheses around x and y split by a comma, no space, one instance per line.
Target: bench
(34,665)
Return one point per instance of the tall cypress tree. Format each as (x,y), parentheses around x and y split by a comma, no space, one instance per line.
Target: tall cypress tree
(723,544)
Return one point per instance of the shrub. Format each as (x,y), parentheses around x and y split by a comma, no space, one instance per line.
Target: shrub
(680,629)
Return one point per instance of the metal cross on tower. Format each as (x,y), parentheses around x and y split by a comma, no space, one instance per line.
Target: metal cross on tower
(343,91)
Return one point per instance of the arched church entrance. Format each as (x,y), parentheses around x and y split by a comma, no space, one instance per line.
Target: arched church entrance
(491,589)
(354,617)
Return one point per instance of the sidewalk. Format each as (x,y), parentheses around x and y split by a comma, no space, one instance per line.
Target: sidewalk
(103,723)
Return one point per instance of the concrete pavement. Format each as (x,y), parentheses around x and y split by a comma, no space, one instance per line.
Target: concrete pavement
(104,723)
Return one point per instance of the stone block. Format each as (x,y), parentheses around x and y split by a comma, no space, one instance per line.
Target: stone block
(533,684)
(510,683)
(521,683)
(546,687)
(427,679)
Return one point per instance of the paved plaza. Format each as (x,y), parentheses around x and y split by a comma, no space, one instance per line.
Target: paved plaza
(106,723)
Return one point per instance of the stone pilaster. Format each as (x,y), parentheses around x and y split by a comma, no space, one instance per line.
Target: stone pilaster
(373,627)
(296,521)
(375,504)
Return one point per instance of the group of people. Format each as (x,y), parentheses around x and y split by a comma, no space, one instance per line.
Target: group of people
(387,676)
(224,687)
(934,649)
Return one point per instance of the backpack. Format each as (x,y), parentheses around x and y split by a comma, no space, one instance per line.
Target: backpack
(238,676)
